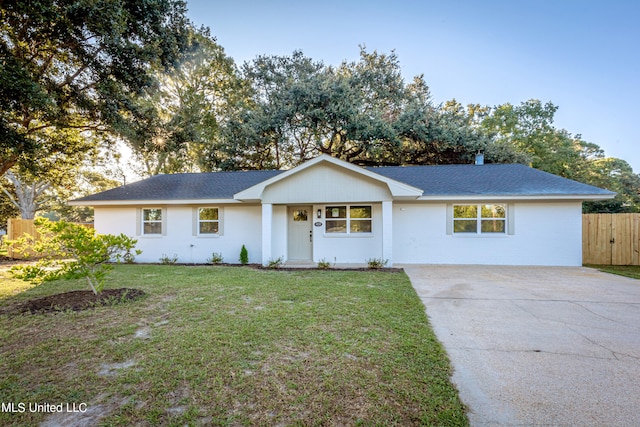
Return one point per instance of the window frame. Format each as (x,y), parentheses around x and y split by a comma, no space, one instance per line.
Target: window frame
(161,221)
(507,227)
(216,221)
(347,220)
(195,222)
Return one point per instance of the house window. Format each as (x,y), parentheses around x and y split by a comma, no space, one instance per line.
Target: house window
(348,219)
(208,221)
(336,219)
(479,219)
(152,221)
(300,215)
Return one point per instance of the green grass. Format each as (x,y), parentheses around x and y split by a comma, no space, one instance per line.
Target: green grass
(632,271)
(10,286)
(234,346)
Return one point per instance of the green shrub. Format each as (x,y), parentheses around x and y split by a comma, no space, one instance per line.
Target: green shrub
(71,251)
(216,258)
(376,263)
(244,255)
(323,264)
(275,263)
(167,260)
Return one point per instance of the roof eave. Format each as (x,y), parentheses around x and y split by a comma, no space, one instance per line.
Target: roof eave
(148,202)
(452,197)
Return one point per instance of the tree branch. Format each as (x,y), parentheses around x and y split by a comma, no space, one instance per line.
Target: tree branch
(11,198)
(94,127)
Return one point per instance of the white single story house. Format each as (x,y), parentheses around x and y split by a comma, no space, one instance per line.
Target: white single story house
(328,209)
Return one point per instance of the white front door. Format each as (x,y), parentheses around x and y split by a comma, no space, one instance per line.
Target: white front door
(300,225)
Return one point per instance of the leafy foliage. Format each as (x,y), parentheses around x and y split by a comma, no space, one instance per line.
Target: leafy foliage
(361,112)
(168,260)
(216,258)
(323,264)
(70,250)
(69,67)
(244,255)
(528,127)
(376,263)
(180,132)
(284,110)
(80,74)
(275,264)
(8,209)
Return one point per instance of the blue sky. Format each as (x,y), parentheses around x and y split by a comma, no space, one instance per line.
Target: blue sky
(581,55)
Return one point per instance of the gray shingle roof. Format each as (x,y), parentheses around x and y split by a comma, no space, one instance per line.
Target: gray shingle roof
(445,180)
(485,180)
(180,186)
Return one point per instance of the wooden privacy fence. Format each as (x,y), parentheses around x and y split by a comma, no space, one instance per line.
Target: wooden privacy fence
(611,239)
(16,227)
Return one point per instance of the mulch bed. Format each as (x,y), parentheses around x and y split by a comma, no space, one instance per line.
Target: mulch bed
(284,268)
(76,301)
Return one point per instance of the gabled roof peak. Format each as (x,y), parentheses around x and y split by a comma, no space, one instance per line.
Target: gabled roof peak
(396,188)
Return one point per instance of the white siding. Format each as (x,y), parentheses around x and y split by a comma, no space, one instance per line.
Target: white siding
(544,234)
(325,183)
(241,225)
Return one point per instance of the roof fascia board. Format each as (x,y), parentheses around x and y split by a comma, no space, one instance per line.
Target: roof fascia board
(152,202)
(395,187)
(504,197)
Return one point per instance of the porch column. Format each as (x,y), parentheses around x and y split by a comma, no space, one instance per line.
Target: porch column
(387,231)
(267,222)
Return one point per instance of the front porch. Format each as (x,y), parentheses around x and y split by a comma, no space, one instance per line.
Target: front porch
(302,235)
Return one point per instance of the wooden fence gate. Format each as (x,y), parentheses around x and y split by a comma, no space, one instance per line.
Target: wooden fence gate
(16,227)
(611,239)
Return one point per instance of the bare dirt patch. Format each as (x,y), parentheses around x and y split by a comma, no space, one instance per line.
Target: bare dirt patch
(6,261)
(76,301)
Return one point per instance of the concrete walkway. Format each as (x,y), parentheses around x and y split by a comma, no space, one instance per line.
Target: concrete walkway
(538,346)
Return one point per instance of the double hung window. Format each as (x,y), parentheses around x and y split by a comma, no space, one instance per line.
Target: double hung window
(208,221)
(348,219)
(152,221)
(479,219)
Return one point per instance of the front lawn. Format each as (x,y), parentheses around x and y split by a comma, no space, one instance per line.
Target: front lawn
(10,286)
(231,346)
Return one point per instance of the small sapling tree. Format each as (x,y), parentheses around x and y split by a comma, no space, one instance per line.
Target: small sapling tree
(71,251)
(244,255)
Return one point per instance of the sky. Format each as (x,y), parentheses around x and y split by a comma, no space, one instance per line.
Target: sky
(582,55)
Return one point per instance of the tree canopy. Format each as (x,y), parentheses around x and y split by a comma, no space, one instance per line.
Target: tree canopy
(276,112)
(77,73)
(185,110)
(529,128)
(72,66)
(362,112)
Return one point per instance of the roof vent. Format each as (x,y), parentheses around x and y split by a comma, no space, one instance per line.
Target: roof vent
(479,159)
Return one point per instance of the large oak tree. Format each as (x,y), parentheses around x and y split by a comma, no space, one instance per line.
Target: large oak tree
(362,112)
(184,112)
(72,66)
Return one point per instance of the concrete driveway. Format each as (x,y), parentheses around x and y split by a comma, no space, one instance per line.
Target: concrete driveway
(536,346)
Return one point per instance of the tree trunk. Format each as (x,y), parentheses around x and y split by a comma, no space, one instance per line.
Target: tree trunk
(27,194)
